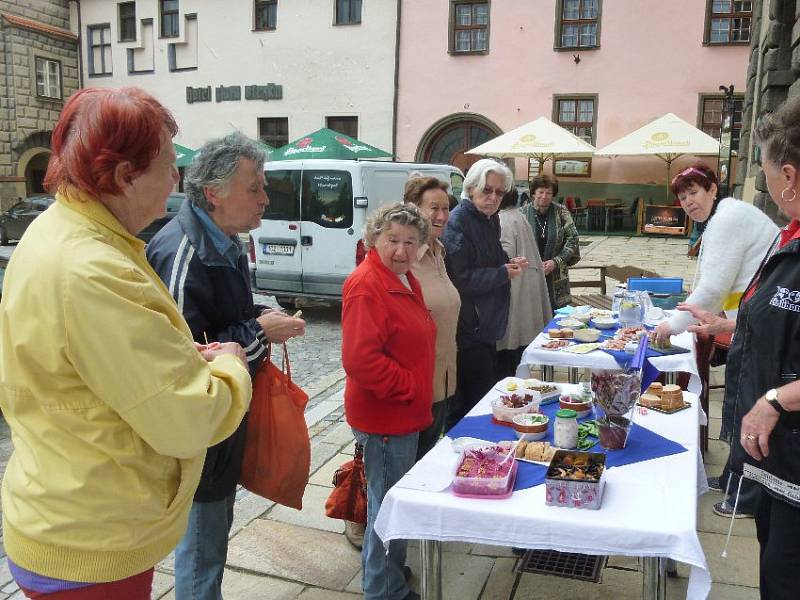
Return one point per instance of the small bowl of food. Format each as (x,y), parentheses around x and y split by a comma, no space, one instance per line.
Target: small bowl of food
(507,406)
(605,322)
(581,406)
(632,346)
(571,323)
(586,335)
(583,317)
(530,427)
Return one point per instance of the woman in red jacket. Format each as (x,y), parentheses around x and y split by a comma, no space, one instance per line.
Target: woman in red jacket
(388,340)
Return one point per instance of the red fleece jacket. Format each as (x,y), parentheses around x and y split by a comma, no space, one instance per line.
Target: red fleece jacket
(388,339)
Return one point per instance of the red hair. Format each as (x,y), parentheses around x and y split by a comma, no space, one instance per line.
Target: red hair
(698,173)
(100,128)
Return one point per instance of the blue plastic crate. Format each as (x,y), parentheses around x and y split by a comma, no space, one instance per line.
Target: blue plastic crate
(656,285)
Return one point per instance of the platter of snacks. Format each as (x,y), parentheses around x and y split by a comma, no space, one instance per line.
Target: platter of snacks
(486,471)
(630,334)
(535,452)
(575,479)
(667,399)
(555,345)
(665,347)
(547,391)
(587,335)
(614,344)
(601,313)
(582,348)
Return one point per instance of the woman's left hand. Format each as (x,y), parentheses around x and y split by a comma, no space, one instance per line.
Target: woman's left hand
(757,425)
(520,261)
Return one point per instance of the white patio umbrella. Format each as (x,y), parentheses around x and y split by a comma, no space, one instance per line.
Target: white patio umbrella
(541,140)
(668,138)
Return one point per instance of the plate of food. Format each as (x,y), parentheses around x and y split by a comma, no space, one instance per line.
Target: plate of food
(582,348)
(570,323)
(546,390)
(556,345)
(563,333)
(540,453)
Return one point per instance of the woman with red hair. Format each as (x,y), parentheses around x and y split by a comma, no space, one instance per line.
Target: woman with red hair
(110,402)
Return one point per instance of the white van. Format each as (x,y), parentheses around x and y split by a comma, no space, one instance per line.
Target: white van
(310,234)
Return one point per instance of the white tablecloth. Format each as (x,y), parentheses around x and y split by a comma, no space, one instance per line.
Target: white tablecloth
(686,362)
(649,508)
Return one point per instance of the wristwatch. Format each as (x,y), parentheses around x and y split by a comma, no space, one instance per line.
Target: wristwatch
(772,397)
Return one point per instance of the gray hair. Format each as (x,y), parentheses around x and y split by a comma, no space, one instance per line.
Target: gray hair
(215,164)
(476,176)
(400,213)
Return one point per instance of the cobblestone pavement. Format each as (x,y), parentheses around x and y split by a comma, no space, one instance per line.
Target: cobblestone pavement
(281,553)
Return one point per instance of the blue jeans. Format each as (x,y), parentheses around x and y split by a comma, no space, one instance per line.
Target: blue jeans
(201,553)
(386,459)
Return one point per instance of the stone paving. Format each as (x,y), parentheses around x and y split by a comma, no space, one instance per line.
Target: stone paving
(281,553)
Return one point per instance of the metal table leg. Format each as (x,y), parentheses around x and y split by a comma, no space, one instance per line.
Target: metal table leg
(431,559)
(573,374)
(671,377)
(548,372)
(654,580)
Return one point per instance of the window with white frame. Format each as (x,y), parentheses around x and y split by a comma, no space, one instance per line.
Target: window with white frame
(48,78)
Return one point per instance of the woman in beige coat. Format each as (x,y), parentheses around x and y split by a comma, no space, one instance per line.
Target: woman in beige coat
(441,298)
(529,309)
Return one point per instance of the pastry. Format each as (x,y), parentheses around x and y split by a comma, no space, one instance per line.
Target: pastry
(554,333)
(655,389)
(650,400)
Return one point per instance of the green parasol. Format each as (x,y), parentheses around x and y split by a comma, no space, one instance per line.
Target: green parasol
(326,143)
(183,155)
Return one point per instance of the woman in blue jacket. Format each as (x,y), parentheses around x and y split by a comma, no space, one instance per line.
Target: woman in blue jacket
(481,271)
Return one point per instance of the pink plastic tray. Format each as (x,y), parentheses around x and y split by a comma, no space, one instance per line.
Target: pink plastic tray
(512,478)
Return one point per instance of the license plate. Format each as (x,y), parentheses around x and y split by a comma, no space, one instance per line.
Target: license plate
(283,249)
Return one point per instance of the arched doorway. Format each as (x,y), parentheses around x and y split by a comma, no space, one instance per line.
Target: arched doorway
(448,139)
(35,171)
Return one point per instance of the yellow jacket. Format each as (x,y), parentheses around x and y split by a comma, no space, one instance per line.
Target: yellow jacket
(111,407)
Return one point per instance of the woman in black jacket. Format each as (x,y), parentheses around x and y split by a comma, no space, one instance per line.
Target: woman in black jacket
(762,388)
(481,272)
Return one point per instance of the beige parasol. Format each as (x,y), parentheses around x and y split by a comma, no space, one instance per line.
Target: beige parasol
(540,140)
(668,138)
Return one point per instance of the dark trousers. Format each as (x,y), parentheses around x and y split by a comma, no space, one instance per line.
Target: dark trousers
(508,361)
(748,497)
(778,531)
(431,435)
(476,376)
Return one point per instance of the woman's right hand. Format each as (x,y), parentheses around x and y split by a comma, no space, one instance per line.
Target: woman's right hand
(215,349)
(549,266)
(708,322)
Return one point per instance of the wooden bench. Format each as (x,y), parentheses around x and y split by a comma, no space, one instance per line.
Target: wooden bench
(602,300)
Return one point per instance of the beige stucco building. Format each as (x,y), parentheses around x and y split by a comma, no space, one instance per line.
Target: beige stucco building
(38,72)
(274,70)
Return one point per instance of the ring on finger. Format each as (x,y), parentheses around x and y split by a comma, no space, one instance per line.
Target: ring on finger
(750,437)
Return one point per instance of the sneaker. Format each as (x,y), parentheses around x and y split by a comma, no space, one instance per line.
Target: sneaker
(354,532)
(715,484)
(723,509)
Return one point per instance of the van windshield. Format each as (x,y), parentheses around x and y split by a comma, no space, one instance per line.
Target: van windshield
(328,198)
(283,189)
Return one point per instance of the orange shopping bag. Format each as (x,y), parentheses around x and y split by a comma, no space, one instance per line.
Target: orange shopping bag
(277,453)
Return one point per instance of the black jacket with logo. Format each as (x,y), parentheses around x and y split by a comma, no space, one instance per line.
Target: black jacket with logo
(217,302)
(764,354)
(475,262)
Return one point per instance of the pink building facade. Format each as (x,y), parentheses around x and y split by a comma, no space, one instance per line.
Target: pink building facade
(469,71)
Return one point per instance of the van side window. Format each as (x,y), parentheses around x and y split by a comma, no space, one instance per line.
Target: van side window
(328,198)
(283,189)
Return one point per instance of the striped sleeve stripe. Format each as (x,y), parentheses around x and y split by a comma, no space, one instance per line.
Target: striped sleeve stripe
(252,357)
(253,345)
(176,265)
(185,272)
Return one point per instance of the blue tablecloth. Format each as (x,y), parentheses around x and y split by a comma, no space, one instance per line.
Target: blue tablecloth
(642,444)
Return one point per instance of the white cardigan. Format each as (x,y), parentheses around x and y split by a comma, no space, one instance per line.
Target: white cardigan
(734,243)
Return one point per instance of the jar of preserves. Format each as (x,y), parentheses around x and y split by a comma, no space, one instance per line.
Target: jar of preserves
(566,429)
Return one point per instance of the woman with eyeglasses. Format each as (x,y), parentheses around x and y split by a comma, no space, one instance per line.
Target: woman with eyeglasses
(556,236)
(734,237)
(482,273)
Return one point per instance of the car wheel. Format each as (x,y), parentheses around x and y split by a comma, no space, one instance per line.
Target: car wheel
(3,237)
(286,303)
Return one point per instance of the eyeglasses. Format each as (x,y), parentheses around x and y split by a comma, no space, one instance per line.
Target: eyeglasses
(689,171)
(487,191)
